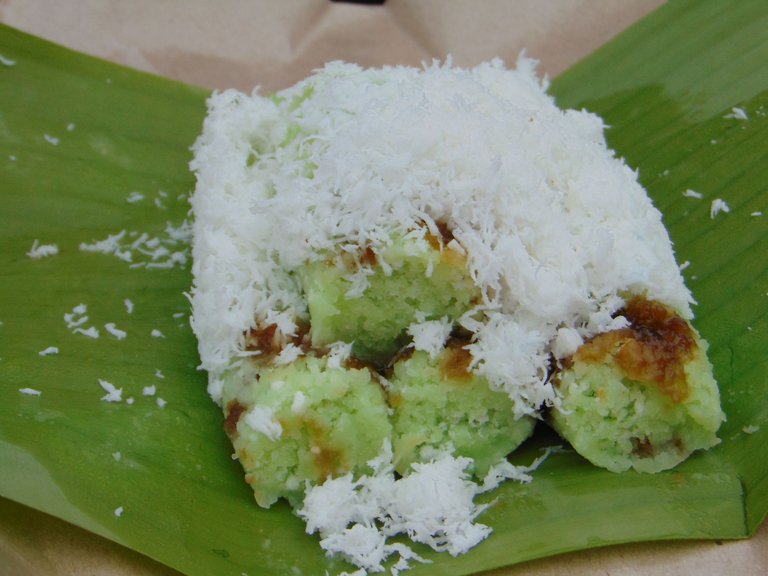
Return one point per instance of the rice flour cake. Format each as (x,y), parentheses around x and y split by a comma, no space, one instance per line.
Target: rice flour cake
(361,234)
(642,396)
(438,402)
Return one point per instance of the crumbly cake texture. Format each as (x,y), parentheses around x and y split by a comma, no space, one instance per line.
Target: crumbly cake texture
(427,282)
(437,403)
(304,421)
(351,229)
(621,424)
(641,398)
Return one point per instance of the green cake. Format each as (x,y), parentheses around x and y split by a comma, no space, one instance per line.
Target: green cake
(303,422)
(641,397)
(371,297)
(439,402)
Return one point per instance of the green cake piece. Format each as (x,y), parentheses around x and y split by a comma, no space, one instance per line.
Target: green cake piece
(642,397)
(304,421)
(439,404)
(410,276)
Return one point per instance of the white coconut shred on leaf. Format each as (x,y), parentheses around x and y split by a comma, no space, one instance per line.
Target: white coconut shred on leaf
(556,229)
(433,505)
(39,251)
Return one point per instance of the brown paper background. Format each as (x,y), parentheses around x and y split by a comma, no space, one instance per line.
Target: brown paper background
(271,43)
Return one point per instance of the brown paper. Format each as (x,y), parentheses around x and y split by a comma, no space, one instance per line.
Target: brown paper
(244,43)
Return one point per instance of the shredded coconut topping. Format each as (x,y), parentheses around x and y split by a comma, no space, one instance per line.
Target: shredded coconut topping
(433,505)
(261,419)
(430,335)
(353,157)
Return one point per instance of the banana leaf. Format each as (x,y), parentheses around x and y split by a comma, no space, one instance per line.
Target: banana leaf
(95,155)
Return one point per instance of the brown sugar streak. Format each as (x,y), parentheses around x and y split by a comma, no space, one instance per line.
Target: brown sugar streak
(233,412)
(455,364)
(653,348)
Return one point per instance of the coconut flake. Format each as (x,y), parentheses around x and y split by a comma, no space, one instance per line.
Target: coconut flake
(166,251)
(261,419)
(39,251)
(113,394)
(338,353)
(430,335)
(115,331)
(30,391)
(77,316)
(215,389)
(91,332)
(505,470)
(299,403)
(566,342)
(50,350)
(737,113)
(434,505)
(718,205)
(7,61)
(110,245)
(287,355)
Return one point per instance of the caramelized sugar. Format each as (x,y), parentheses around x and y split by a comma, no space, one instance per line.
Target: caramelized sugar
(653,348)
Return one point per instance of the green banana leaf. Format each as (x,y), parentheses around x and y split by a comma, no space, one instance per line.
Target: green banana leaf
(90,150)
